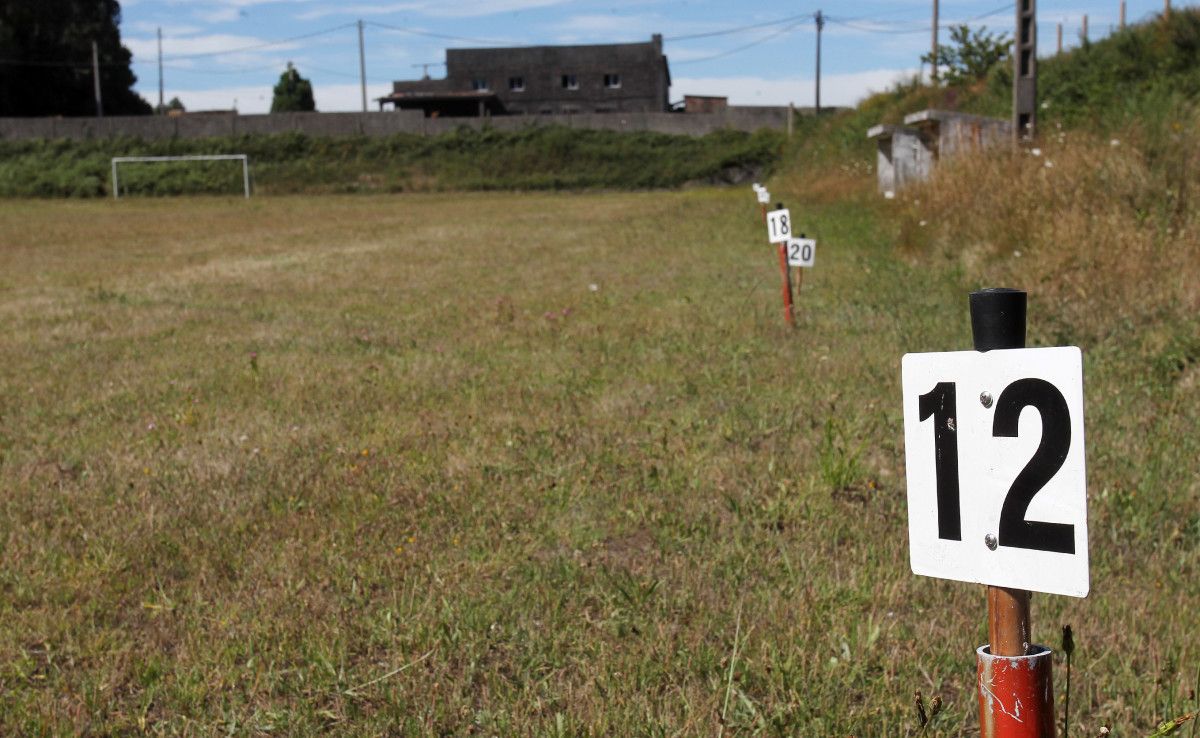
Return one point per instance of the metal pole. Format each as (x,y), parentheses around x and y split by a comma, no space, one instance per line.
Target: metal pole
(998,322)
(96,79)
(246,176)
(933,72)
(116,186)
(791,122)
(362,66)
(998,318)
(161,108)
(820,18)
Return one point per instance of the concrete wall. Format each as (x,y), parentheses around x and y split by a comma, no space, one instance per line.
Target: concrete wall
(376,124)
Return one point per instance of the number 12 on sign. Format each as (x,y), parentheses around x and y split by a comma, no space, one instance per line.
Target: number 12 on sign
(994,451)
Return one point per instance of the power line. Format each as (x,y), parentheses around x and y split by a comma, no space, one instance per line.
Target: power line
(918,27)
(752,44)
(443,36)
(738,29)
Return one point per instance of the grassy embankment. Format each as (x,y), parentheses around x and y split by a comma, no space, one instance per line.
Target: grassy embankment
(549,158)
(357,465)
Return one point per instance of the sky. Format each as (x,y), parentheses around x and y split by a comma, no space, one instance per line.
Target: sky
(222,54)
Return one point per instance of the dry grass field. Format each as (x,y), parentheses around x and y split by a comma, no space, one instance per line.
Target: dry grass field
(516,464)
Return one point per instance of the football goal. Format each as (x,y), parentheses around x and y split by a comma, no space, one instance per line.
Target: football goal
(117,160)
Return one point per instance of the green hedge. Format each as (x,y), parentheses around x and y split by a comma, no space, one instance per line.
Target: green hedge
(467,159)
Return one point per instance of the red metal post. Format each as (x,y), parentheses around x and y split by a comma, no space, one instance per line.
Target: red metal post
(1016,694)
(788,311)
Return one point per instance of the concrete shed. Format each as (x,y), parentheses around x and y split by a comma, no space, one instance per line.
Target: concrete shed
(908,153)
(953,133)
(903,155)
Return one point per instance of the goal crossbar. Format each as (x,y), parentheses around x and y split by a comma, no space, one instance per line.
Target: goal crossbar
(191,157)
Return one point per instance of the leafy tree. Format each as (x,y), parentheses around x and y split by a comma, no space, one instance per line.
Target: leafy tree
(46,59)
(970,55)
(293,93)
(174,105)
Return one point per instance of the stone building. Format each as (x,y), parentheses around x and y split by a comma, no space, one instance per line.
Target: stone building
(542,80)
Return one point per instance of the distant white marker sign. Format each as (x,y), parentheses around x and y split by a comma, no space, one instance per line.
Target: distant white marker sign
(994,449)
(801,252)
(779,226)
(764,197)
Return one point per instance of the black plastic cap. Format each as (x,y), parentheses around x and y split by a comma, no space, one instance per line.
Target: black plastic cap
(998,318)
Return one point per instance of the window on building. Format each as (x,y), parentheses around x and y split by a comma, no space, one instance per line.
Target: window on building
(516,84)
(612,81)
(570,82)
(569,110)
(480,85)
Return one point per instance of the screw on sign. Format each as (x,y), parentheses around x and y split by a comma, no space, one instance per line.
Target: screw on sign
(997,494)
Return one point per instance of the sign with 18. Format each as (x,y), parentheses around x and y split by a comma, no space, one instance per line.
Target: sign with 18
(994,450)
(779,226)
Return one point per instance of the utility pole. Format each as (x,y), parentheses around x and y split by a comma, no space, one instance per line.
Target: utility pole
(1084,35)
(362,65)
(1060,38)
(933,72)
(161,108)
(1166,8)
(1122,15)
(96,79)
(820,18)
(1025,72)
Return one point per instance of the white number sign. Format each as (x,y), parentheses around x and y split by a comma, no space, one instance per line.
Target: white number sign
(994,449)
(801,252)
(779,226)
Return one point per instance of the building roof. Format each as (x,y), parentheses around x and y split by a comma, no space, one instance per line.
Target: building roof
(434,95)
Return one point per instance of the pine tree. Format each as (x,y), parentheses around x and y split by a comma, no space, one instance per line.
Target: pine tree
(293,94)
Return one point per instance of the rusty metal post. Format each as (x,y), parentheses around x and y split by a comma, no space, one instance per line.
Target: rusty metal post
(1016,688)
(789,313)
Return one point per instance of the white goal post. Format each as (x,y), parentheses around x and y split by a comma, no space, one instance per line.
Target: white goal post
(116,190)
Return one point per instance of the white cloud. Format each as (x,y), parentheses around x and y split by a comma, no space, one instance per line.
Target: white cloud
(433,8)
(168,29)
(215,44)
(219,15)
(836,89)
